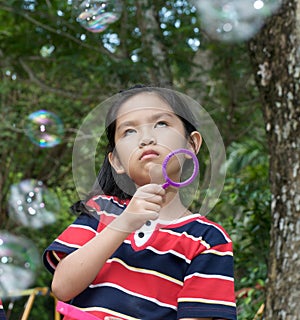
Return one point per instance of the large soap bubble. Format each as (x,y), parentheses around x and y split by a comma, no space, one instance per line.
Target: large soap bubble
(44,128)
(97,15)
(32,204)
(92,130)
(19,263)
(234,20)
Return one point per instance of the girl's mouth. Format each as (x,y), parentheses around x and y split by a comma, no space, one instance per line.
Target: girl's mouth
(149,154)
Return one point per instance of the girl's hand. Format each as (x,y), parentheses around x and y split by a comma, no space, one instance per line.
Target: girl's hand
(145,205)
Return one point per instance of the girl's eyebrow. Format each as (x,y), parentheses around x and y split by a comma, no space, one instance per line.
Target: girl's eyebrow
(153,118)
(162,115)
(125,125)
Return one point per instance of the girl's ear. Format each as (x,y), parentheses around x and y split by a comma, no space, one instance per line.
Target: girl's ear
(115,163)
(195,141)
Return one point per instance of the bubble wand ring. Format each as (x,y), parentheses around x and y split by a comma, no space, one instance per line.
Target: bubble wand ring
(170,182)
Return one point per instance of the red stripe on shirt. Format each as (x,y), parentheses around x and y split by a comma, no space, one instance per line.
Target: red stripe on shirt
(93,204)
(186,246)
(212,288)
(71,235)
(222,249)
(140,281)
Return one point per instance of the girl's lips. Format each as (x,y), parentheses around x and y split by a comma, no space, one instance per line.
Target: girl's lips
(149,154)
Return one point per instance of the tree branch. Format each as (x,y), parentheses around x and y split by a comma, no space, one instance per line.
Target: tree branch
(44,86)
(99,49)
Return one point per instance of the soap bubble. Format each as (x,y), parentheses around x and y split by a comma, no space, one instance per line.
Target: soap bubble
(234,20)
(91,134)
(97,15)
(19,262)
(44,128)
(31,204)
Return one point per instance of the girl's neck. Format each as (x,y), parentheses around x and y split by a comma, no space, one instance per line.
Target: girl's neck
(173,207)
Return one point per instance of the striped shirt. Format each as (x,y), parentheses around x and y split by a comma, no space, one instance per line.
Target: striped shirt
(182,269)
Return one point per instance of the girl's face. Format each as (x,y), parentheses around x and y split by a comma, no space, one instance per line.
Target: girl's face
(147,130)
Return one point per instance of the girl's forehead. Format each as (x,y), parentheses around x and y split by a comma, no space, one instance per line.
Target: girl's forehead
(147,101)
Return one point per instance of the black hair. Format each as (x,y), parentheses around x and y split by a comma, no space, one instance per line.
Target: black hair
(108,181)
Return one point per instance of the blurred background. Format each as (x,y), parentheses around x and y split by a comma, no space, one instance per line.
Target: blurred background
(60,59)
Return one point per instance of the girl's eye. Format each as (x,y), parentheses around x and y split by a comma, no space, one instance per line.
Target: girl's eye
(129,132)
(161,124)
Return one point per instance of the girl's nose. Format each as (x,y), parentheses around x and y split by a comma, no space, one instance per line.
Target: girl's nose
(147,139)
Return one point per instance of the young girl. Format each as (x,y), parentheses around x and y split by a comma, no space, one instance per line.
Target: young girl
(135,251)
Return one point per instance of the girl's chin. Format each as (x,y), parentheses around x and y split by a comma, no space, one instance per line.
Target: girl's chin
(151,174)
(155,173)
(148,180)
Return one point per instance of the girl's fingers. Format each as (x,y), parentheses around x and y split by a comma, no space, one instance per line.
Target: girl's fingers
(154,189)
(152,195)
(145,205)
(153,207)
(154,199)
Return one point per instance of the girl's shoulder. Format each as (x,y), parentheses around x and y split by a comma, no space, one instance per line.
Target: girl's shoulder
(200,226)
(103,202)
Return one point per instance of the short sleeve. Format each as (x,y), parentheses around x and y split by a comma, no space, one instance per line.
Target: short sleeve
(83,229)
(208,289)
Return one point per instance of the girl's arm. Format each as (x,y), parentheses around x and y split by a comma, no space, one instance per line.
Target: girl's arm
(76,271)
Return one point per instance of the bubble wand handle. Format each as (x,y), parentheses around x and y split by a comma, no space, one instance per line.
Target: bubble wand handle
(73,312)
(170,182)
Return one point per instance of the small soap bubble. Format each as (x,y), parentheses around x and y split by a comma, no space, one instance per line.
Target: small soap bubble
(44,128)
(234,20)
(19,263)
(32,205)
(96,15)
(46,50)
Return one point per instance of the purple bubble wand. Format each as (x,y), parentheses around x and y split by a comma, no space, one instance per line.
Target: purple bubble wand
(170,182)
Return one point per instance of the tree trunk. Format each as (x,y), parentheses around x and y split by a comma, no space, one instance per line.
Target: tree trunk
(148,21)
(275,56)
